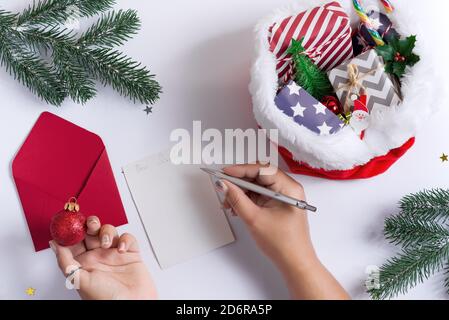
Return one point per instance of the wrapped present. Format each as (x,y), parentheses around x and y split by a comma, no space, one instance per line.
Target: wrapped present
(370,143)
(326,31)
(306,111)
(363,41)
(365,74)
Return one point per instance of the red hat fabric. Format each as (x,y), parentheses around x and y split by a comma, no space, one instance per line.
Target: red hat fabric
(360,104)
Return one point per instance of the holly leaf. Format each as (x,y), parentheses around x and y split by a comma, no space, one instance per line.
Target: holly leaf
(394,43)
(413,59)
(389,37)
(406,46)
(389,68)
(387,52)
(399,68)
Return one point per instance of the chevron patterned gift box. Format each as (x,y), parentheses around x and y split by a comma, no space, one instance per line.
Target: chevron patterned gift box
(365,74)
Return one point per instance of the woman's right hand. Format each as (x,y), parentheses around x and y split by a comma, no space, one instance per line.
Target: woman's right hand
(281,231)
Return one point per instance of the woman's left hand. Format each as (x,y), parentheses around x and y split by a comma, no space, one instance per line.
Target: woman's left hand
(107,266)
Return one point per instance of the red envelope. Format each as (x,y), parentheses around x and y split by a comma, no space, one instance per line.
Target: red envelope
(60,160)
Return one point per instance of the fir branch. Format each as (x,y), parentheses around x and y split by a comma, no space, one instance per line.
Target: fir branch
(126,76)
(446,281)
(108,66)
(47,38)
(76,81)
(75,63)
(7,19)
(53,12)
(427,205)
(26,67)
(411,232)
(113,28)
(411,267)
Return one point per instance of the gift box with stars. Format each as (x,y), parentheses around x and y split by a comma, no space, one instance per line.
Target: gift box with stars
(306,111)
(313,141)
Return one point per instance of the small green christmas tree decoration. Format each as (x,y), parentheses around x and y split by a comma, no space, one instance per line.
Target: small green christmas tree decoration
(421,229)
(40,49)
(398,54)
(307,74)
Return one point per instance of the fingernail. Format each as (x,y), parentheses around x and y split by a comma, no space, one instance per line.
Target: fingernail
(122,247)
(221,187)
(52,246)
(92,221)
(105,240)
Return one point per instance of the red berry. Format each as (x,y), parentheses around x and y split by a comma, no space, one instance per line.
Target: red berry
(68,228)
(398,57)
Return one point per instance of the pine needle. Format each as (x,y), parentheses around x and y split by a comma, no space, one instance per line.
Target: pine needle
(26,67)
(411,267)
(410,231)
(76,81)
(428,204)
(307,74)
(54,12)
(112,29)
(126,76)
(421,229)
(53,62)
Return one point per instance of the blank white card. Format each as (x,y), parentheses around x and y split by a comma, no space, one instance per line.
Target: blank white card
(178,207)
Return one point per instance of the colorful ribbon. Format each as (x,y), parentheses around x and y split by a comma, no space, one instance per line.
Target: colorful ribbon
(387,5)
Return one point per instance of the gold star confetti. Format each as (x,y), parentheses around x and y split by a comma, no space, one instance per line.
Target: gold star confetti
(444,158)
(30,291)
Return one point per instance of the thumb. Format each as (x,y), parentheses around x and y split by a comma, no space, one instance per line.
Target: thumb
(243,206)
(65,258)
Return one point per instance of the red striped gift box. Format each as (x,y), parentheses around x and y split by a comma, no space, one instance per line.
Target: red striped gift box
(327,38)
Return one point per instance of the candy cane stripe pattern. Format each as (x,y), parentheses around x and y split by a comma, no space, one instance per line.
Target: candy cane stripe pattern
(387,5)
(367,21)
(327,37)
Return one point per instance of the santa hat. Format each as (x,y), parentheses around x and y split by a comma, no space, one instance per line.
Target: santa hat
(360,104)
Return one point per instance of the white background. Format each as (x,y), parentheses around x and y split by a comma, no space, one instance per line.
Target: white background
(201,52)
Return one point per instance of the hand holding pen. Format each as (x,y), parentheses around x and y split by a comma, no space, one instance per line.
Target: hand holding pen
(262,191)
(281,230)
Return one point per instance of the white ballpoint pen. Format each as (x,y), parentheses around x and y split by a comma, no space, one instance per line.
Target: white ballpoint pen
(301,204)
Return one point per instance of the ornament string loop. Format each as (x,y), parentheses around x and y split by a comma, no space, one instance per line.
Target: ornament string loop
(72,205)
(73,200)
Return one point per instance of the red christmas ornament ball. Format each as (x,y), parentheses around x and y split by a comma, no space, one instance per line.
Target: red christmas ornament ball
(68,227)
(332,104)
